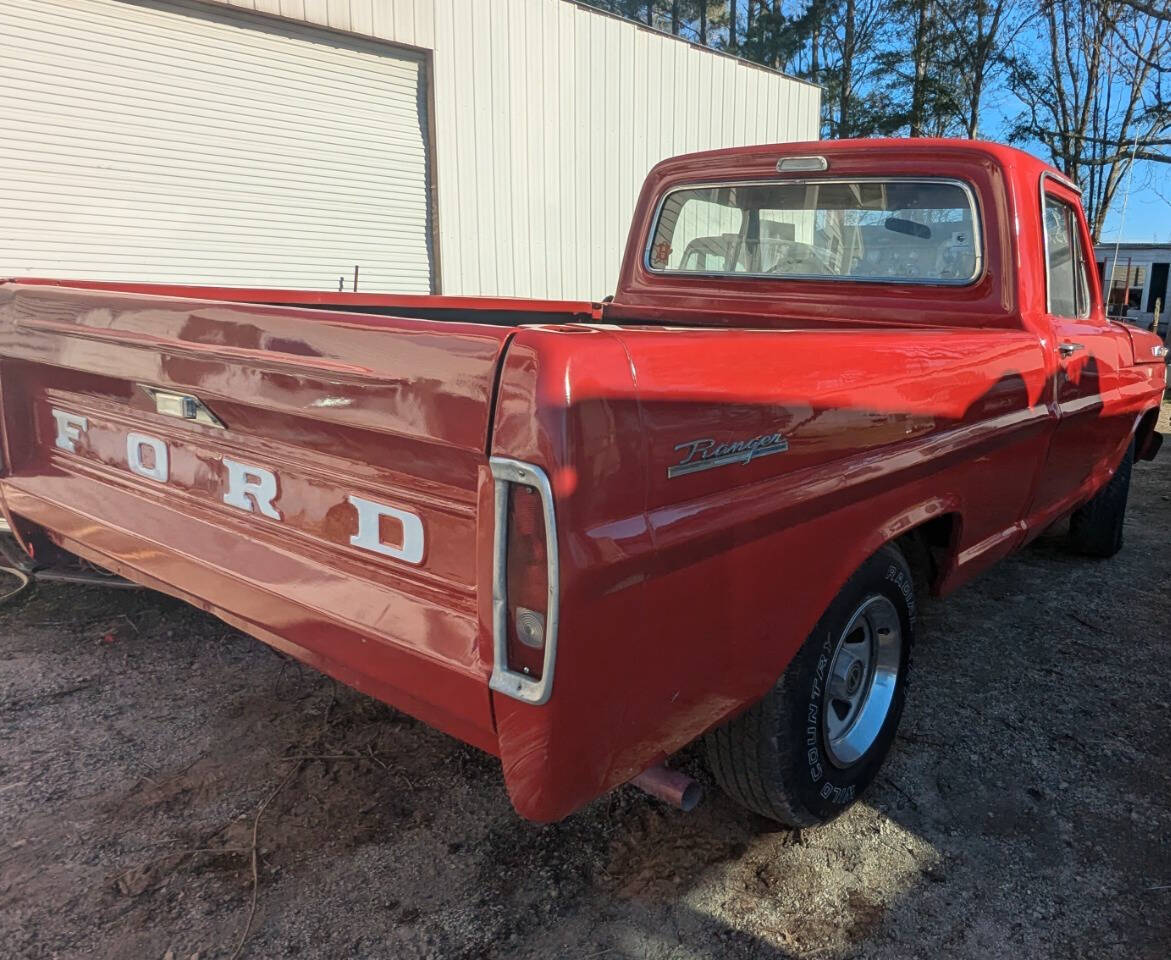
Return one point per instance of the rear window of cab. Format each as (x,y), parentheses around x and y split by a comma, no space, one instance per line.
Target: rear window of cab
(921,230)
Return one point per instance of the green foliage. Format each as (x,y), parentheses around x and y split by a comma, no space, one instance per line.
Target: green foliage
(774,39)
(886,66)
(932,67)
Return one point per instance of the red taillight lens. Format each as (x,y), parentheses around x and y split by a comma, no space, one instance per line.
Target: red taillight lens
(527,574)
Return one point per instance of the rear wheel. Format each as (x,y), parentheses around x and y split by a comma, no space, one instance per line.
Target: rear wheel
(1095,528)
(807,751)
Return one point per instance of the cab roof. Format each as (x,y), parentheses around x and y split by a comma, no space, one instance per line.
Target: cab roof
(931,154)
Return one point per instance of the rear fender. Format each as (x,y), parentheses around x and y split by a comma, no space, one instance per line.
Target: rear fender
(636,676)
(686,592)
(567,404)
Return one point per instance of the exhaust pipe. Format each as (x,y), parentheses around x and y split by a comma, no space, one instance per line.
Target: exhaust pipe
(670,786)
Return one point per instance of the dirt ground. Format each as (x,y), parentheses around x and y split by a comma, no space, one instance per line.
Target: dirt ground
(1024,812)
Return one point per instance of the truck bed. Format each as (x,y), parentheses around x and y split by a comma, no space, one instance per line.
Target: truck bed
(334,404)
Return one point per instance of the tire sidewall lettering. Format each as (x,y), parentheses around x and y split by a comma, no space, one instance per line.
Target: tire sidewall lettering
(901,582)
(829,789)
(815,768)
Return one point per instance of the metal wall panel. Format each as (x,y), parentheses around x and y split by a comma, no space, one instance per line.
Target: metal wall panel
(178,142)
(634,97)
(547,117)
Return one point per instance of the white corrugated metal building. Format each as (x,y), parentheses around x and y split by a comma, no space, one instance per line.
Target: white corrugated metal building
(1135,280)
(489,147)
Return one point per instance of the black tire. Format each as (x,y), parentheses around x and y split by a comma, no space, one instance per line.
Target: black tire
(1095,529)
(773,758)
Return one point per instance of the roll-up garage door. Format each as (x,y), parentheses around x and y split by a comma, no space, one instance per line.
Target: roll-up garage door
(177,142)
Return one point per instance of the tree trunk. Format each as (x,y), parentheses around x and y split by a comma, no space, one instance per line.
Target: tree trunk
(650,13)
(733,41)
(675,17)
(703,22)
(846,93)
(919,84)
(815,46)
(975,94)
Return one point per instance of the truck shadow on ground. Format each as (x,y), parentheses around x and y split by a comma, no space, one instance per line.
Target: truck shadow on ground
(1022,812)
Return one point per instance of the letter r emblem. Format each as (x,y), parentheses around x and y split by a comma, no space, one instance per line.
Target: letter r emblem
(251,489)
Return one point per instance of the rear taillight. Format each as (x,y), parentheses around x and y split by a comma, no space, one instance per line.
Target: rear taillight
(527,582)
(524,592)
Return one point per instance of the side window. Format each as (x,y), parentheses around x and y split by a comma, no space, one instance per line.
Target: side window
(1067,271)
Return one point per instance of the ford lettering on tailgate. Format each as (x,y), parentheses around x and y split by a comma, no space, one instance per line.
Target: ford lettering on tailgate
(245,486)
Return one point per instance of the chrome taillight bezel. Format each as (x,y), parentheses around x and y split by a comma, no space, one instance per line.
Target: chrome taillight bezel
(506,473)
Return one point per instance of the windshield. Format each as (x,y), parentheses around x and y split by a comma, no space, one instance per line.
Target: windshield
(910,231)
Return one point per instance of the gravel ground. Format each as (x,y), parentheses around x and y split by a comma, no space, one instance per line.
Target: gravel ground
(1024,811)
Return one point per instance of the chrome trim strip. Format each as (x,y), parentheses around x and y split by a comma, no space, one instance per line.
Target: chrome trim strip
(977,230)
(1063,180)
(1044,237)
(519,686)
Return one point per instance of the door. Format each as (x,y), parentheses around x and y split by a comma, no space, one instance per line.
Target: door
(1088,356)
(1157,292)
(177,142)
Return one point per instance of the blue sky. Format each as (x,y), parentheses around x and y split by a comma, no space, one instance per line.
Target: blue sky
(1148,209)
(1148,214)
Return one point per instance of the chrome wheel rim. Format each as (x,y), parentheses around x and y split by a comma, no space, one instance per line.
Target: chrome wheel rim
(860,684)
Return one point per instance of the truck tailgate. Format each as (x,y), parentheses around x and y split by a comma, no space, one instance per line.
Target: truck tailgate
(313,477)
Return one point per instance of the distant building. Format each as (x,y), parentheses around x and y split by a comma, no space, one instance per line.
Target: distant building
(1135,282)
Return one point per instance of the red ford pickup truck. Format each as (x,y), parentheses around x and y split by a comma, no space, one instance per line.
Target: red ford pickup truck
(580,536)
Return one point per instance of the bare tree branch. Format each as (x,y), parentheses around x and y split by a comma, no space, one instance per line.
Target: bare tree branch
(1154,10)
(1097,102)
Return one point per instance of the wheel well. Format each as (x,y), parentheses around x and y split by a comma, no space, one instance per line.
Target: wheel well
(928,548)
(1143,435)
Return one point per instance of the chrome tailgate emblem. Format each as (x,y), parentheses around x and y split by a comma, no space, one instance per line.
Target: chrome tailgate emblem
(706,454)
(181,405)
